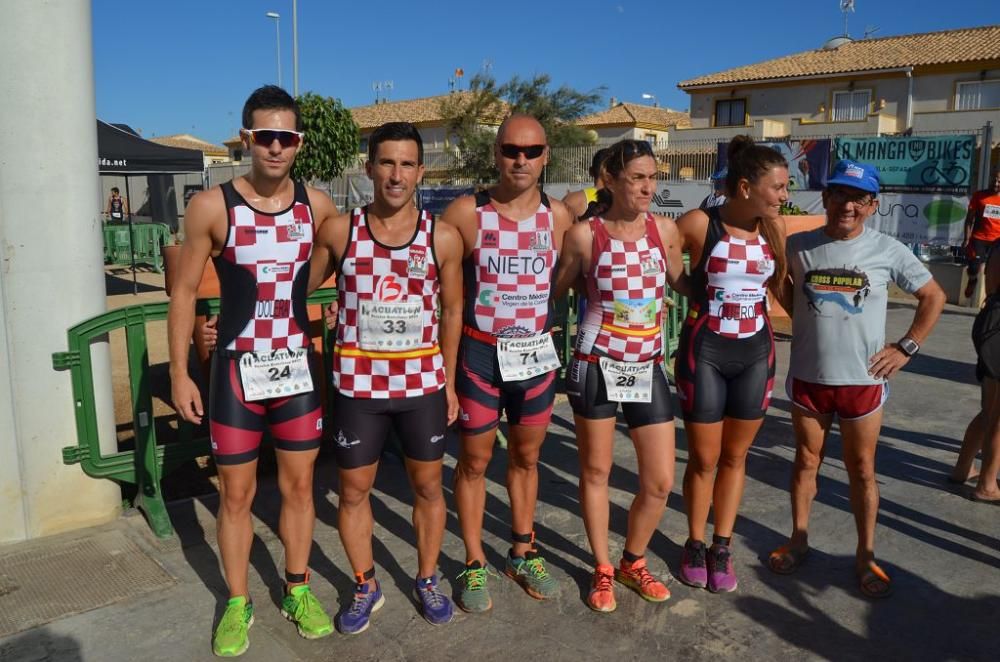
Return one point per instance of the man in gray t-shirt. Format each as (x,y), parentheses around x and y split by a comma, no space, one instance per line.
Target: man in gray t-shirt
(839,279)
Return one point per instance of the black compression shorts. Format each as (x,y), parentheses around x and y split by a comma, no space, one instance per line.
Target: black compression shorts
(360,427)
(589,397)
(723,377)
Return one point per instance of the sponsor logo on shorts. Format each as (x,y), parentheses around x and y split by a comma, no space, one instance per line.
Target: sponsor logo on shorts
(319,423)
(343,442)
(436,438)
(464,415)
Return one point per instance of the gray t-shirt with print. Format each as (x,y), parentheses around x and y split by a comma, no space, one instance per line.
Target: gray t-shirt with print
(841,290)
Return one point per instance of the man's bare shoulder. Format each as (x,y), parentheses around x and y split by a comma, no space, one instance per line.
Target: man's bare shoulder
(460,208)
(321,202)
(562,213)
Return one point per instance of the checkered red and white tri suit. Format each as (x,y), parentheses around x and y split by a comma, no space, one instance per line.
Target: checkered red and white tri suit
(263,275)
(633,274)
(737,271)
(512,269)
(371,271)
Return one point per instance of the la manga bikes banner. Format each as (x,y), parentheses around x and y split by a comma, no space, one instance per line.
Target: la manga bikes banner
(928,164)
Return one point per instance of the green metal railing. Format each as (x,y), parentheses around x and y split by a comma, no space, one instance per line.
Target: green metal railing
(144,466)
(147,241)
(151,458)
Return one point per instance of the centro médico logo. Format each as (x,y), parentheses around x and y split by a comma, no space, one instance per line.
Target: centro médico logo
(388,289)
(488,298)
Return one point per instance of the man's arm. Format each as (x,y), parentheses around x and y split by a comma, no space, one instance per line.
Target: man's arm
(321,263)
(930,303)
(970,221)
(448,251)
(781,290)
(573,258)
(461,215)
(204,210)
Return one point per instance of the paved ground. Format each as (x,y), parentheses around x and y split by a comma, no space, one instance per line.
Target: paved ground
(942,550)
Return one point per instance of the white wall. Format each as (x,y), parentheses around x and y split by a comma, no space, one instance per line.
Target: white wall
(51,271)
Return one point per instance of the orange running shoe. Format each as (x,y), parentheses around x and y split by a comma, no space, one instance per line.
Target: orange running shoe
(602,592)
(638,578)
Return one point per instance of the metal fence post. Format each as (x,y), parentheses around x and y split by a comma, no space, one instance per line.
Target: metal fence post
(984,157)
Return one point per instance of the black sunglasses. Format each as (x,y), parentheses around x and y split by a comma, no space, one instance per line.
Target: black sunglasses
(511,151)
(265,137)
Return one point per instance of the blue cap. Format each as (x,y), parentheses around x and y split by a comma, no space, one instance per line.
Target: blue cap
(856,175)
(721,173)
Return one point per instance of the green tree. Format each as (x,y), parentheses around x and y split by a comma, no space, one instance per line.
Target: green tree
(331,141)
(486,102)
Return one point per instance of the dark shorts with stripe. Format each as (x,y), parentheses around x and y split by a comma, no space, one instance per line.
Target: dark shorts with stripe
(483,395)
(237,426)
(361,425)
(721,377)
(588,395)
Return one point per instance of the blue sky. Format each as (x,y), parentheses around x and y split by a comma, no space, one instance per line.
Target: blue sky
(187,66)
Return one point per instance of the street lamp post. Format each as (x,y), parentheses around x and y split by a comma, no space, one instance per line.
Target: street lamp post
(295,48)
(277,34)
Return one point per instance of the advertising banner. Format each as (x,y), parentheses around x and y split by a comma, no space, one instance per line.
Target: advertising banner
(913,218)
(928,164)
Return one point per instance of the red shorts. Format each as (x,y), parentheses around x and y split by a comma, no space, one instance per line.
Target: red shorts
(846,401)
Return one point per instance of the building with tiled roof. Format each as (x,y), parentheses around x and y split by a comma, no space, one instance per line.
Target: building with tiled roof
(936,81)
(212,153)
(633,120)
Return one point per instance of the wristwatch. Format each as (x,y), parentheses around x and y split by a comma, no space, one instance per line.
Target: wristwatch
(908,345)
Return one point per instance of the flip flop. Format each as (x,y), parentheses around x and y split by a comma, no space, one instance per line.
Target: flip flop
(786,559)
(871,579)
(959,481)
(977,499)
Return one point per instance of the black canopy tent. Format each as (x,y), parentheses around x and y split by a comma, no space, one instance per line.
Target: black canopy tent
(122,151)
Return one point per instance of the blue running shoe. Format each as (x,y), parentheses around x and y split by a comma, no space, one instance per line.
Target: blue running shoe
(436,606)
(355,617)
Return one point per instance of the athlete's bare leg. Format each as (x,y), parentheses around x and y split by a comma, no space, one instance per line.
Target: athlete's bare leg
(737,436)
(234,529)
(475,452)
(429,512)
(704,448)
(654,450)
(298,512)
(523,447)
(811,431)
(354,517)
(595,443)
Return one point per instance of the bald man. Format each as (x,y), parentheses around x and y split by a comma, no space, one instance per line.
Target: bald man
(507,361)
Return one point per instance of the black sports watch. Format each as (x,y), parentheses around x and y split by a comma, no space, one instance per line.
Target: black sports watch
(908,345)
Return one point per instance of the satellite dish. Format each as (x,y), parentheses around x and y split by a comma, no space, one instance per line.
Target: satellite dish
(836,42)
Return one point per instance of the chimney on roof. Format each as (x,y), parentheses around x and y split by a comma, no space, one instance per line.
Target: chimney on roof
(612,102)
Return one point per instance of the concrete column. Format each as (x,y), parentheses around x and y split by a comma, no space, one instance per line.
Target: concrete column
(51,265)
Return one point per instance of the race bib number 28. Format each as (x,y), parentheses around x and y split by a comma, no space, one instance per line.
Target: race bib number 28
(627,382)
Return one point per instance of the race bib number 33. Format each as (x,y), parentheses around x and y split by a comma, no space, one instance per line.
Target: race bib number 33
(276,374)
(523,358)
(390,326)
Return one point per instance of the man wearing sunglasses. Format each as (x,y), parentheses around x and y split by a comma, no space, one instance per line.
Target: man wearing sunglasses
(258,229)
(840,361)
(392,367)
(511,234)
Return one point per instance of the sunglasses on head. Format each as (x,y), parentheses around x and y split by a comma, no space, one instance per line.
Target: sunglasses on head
(265,137)
(530,151)
(632,147)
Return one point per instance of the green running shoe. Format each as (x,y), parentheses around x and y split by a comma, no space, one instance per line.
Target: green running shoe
(530,572)
(474,596)
(231,637)
(301,607)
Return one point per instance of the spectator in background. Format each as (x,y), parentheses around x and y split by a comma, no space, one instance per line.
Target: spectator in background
(718,195)
(982,228)
(117,206)
(583,203)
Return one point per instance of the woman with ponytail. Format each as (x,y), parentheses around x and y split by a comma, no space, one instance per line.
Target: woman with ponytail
(725,362)
(625,257)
